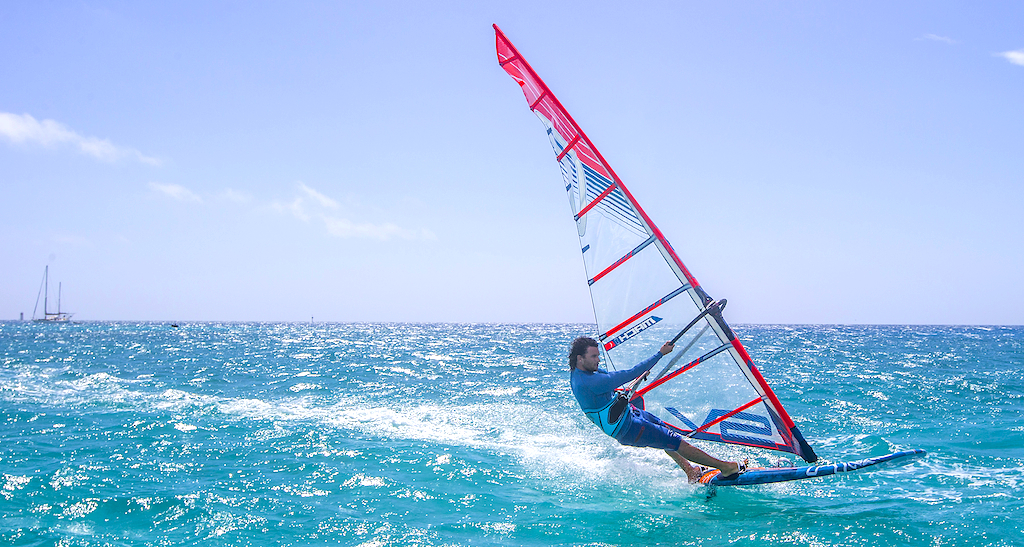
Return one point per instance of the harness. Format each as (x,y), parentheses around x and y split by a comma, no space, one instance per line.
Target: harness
(612,417)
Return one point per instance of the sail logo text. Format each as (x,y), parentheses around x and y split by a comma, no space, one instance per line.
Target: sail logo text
(637,329)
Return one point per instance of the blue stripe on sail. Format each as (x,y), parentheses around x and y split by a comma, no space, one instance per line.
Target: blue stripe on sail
(615,203)
(585,248)
(569,175)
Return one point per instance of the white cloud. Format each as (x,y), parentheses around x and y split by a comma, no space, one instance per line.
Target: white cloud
(311,204)
(23,128)
(294,207)
(298,206)
(230,194)
(937,38)
(345,228)
(1016,57)
(318,197)
(175,191)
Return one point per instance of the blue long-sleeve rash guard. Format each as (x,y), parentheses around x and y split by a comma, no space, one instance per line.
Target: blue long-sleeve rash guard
(595,391)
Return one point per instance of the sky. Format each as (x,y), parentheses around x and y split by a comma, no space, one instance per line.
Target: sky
(269,161)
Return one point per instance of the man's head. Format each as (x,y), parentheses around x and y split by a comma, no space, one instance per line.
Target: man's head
(584,354)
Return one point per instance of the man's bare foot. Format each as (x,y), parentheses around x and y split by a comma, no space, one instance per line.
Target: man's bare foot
(730,468)
(694,474)
(701,471)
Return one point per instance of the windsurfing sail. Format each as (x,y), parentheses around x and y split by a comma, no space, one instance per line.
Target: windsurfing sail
(643,295)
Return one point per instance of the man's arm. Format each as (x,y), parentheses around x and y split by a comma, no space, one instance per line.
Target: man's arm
(608,382)
(612,380)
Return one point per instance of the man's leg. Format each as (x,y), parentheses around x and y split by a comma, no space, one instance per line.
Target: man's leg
(694,454)
(692,472)
(655,433)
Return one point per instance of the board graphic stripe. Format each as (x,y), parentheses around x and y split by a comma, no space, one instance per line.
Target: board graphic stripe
(779,474)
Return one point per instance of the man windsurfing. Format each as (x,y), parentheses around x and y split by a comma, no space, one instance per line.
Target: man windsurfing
(594,389)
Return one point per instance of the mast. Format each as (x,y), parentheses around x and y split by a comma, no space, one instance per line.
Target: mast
(46,283)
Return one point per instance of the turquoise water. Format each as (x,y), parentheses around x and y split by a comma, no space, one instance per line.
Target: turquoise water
(402,434)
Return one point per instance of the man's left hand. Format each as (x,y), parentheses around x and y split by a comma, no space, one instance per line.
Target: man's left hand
(667,348)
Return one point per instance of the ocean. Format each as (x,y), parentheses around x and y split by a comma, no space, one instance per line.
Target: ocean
(119,433)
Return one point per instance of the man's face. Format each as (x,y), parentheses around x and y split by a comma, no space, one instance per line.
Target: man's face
(588,361)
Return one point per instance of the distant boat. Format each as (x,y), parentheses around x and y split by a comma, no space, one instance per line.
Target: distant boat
(44,291)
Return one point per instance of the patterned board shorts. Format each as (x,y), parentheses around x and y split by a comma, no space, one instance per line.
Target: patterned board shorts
(645,429)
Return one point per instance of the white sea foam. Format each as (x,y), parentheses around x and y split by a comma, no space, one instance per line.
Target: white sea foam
(301,491)
(82,508)
(13,483)
(304,387)
(550,443)
(67,477)
(365,480)
(501,392)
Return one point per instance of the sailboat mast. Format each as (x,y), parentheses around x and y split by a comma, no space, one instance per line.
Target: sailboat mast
(58,296)
(46,283)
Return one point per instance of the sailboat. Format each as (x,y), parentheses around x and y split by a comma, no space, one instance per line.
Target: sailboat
(643,294)
(44,291)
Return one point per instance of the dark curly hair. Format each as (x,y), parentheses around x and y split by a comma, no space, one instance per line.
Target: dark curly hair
(579,347)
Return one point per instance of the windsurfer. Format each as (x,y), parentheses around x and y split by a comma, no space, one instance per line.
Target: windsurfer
(595,391)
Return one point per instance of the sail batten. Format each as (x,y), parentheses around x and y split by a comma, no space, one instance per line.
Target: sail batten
(654,305)
(634,276)
(685,368)
(567,148)
(621,261)
(594,202)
